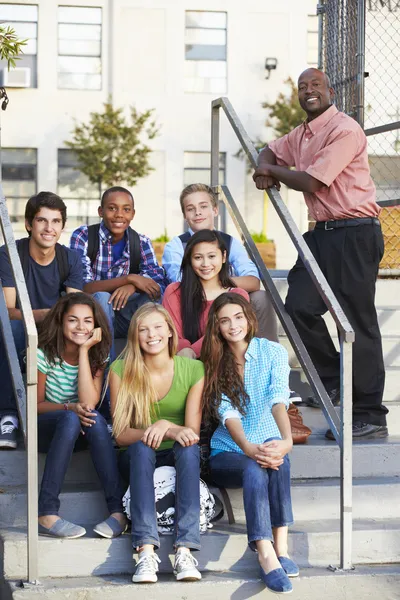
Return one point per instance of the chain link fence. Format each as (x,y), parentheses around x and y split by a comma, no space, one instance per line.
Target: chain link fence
(359,48)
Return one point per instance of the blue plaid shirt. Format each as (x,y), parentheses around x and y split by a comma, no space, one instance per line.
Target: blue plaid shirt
(105,268)
(266,379)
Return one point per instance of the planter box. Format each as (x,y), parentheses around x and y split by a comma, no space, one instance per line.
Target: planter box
(267,252)
(390,222)
(158,249)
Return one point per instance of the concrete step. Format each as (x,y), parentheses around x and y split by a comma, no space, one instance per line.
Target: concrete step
(364,583)
(312,499)
(392,379)
(391,350)
(314,418)
(371,458)
(80,503)
(311,543)
(319,499)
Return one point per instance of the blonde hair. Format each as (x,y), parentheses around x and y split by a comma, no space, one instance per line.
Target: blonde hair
(198,187)
(137,396)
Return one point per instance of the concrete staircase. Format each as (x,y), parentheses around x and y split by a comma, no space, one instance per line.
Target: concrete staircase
(92,568)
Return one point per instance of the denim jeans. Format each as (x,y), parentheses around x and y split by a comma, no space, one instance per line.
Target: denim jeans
(59,434)
(266,493)
(8,404)
(137,463)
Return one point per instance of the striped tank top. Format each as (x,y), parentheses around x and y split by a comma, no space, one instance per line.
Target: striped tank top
(61,380)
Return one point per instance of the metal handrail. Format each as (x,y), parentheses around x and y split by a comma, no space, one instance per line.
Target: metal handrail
(26,403)
(341,427)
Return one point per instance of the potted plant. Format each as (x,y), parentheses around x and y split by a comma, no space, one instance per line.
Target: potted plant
(266,249)
(159,243)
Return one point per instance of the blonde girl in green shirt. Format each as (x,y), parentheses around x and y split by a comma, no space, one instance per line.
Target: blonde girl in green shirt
(156,407)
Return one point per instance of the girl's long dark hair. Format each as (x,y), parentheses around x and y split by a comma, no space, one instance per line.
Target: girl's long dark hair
(193,298)
(51,338)
(221,372)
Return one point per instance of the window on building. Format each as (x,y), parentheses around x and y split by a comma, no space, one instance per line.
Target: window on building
(312,40)
(81,196)
(205,52)
(23,18)
(197,169)
(79,48)
(19,179)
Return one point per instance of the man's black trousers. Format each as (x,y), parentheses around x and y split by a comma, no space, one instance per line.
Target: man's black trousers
(349,257)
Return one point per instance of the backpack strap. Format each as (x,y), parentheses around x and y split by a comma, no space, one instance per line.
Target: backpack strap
(93,242)
(23,251)
(63,265)
(185,237)
(227,240)
(134,251)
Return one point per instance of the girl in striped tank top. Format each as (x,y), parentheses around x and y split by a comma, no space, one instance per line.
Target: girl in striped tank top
(74,343)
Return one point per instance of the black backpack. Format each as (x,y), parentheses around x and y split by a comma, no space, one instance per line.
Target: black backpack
(134,247)
(61,257)
(227,239)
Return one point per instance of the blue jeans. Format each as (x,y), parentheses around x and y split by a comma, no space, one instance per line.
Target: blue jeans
(8,404)
(266,493)
(59,434)
(137,463)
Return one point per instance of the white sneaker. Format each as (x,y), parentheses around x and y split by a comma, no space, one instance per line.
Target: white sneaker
(146,568)
(295,397)
(185,567)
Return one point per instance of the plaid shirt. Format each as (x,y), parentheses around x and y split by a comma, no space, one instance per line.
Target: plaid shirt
(104,267)
(266,379)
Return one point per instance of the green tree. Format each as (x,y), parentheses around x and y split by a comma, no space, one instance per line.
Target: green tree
(110,149)
(10,45)
(285,113)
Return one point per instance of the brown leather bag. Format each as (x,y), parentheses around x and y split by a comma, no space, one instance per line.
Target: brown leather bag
(300,432)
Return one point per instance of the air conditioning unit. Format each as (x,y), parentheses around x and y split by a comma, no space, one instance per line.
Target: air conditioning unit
(20,77)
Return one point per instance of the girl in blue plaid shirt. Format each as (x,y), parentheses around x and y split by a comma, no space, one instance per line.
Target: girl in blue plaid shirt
(246,390)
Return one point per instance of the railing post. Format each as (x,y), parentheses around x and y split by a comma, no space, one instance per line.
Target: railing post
(346,454)
(214,145)
(360,99)
(31,394)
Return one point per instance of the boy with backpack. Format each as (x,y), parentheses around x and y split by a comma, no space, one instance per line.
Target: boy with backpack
(199,207)
(120,268)
(49,270)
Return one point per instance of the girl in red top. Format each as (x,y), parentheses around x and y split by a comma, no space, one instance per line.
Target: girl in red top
(205,276)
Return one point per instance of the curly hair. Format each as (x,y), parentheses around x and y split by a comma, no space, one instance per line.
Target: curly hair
(51,337)
(221,372)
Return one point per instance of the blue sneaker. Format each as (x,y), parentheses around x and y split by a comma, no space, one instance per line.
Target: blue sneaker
(289,566)
(277,581)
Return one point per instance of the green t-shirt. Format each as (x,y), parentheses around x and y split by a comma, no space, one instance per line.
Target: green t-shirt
(187,372)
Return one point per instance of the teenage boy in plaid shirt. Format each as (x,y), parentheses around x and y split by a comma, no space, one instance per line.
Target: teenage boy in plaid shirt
(108,277)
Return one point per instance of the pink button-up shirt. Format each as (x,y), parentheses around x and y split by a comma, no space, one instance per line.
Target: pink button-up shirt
(333,149)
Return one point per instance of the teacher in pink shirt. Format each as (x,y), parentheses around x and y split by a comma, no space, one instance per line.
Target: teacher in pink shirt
(328,153)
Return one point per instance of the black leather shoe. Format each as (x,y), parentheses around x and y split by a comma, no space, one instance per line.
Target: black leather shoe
(365,431)
(369,431)
(334,395)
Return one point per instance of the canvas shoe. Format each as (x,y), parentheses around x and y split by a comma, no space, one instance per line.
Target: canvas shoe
(185,566)
(146,568)
(8,433)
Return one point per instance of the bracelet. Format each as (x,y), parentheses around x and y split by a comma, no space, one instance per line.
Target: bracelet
(66,404)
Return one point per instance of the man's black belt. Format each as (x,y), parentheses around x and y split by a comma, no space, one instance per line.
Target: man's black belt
(329,225)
